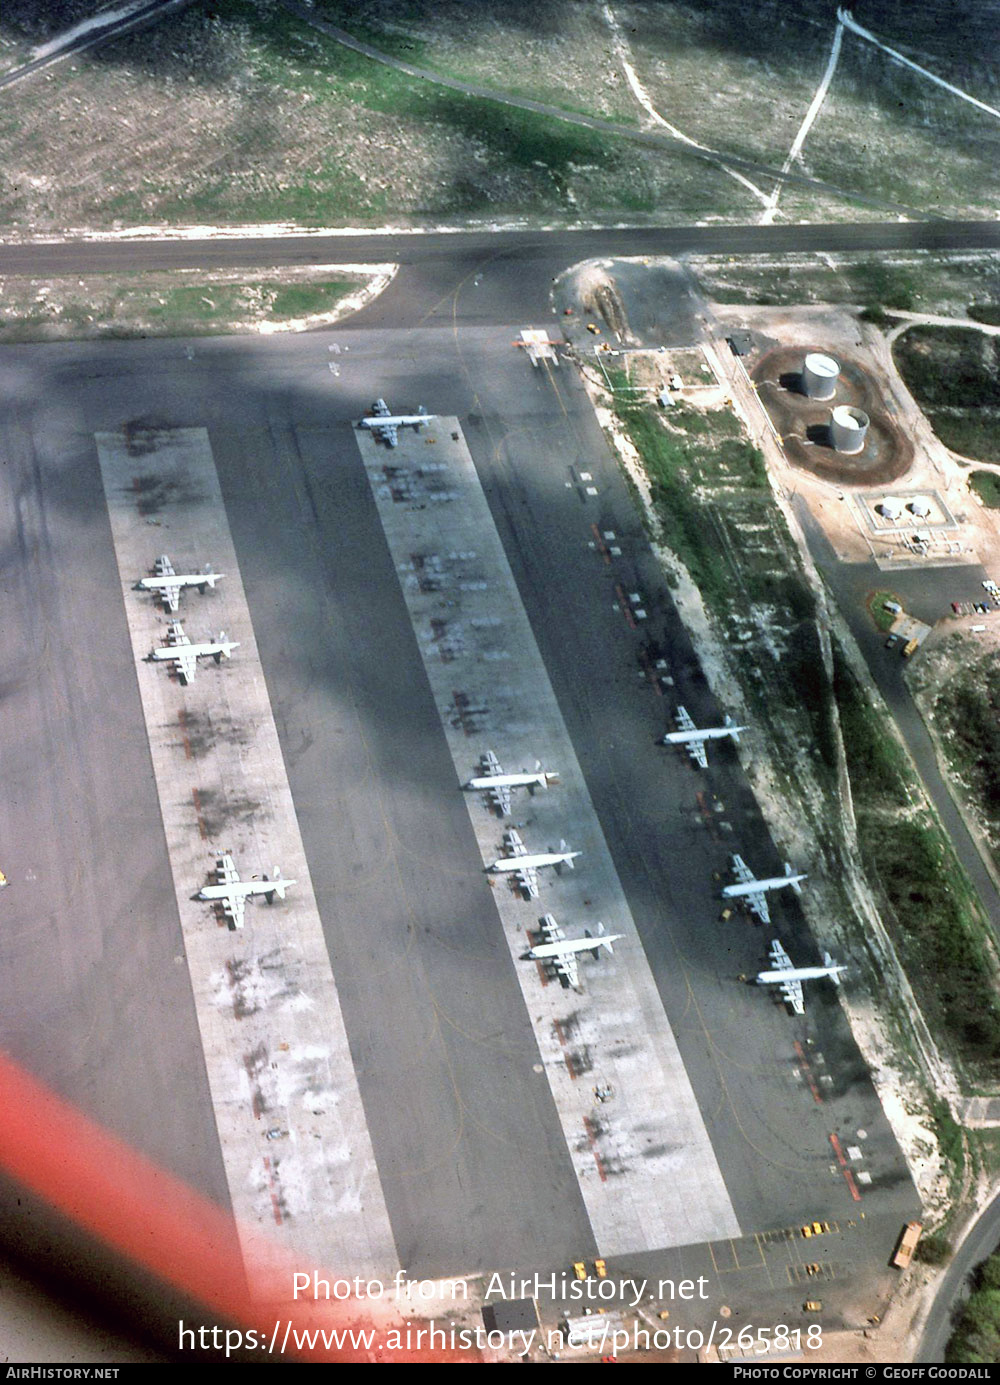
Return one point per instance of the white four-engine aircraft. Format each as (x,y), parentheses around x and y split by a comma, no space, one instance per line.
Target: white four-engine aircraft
(180,651)
(790,978)
(694,740)
(232,892)
(496,784)
(169,583)
(755,891)
(386,425)
(561,952)
(526,866)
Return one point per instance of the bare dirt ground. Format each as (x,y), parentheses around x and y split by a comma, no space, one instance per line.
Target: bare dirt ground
(838,331)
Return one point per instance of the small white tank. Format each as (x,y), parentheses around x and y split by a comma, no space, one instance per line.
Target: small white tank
(920,506)
(849,427)
(819,376)
(890,508)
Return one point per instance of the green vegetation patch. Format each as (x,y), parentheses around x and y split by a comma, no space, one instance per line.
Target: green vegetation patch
(879,770)
(976,1339)
(933,915)
(954,375)
(715,510)
(930,283)
(985,312)
(159,305)
(876,608)
(986,484)
(968,712)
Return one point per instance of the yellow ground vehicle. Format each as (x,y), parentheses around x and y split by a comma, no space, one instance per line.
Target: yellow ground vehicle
(907,1244)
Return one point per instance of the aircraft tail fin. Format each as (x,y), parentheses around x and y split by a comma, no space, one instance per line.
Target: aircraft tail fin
(278,885)
(794,883)
(569,859)
(829,962)
(602,941)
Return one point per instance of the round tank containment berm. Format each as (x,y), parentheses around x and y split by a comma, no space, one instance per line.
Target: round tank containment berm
(819,376)
(848,428)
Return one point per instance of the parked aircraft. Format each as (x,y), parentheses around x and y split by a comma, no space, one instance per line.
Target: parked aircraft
(790,978)
(169,583)
(694,740)
(497,785)
(233,893)
(526,866)
(755,891)
(180,651)
(561,952)
(386,425)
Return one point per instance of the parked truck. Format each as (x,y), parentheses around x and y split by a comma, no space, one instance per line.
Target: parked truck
(907,1244)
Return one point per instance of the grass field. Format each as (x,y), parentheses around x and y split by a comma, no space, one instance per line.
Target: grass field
(930,909)
(954,375)
(948,285)
(170,304)
(986,484)
(239,111)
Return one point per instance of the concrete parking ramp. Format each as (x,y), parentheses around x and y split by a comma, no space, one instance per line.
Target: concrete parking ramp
(646,1168)
(294,1140)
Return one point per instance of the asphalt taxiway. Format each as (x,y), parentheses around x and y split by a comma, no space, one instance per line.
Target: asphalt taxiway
(471,1157)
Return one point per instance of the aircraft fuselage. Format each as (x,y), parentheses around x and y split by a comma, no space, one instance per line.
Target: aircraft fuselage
(513,863)
(710,733)
(776,882)
(777,978)
(506,781)
(559,949)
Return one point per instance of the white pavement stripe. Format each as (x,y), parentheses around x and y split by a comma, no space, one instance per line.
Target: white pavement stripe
(847,19)
(294,1139)
(642,96)
(645,1165)
(811,114)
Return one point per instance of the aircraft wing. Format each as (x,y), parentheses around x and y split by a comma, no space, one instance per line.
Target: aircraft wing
(381,408)
(225,871)
(514,844)
(390,433)
(178,642)
(233,905)
(780,957)
(757,904)
(188,665)
(792,991)
(684,720)
(528,878)
(742,871)
(170,591)
(698,753)
(500,793)
(566,965)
